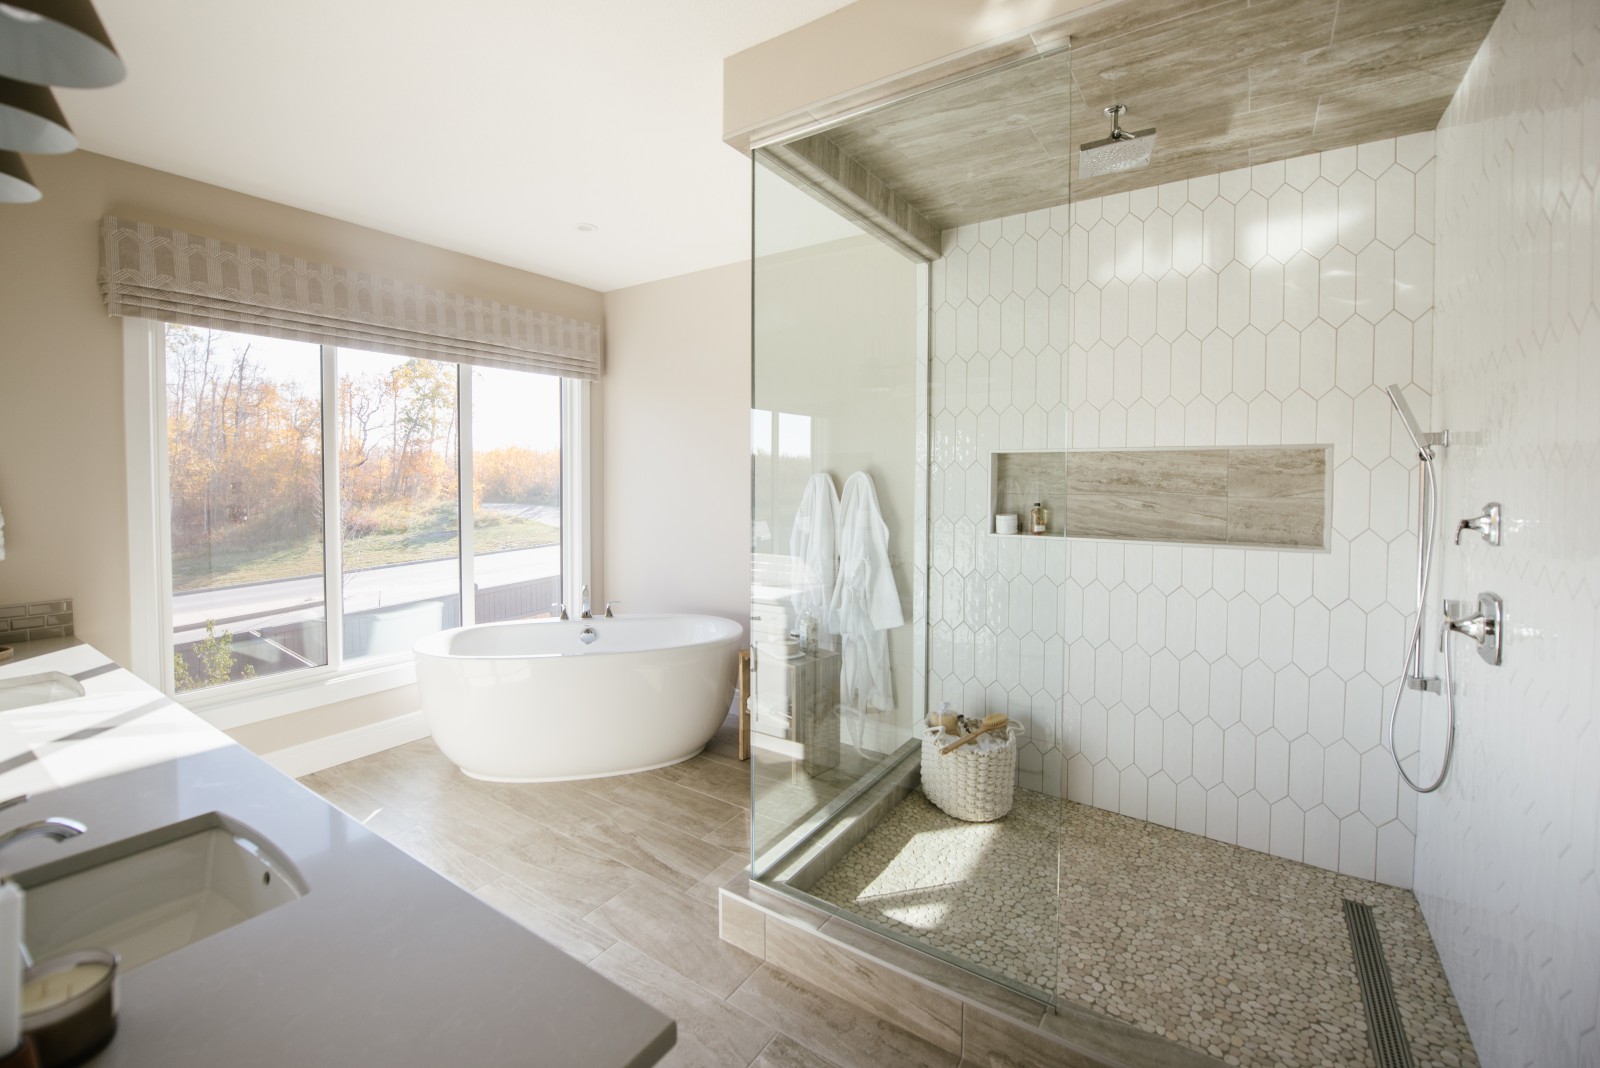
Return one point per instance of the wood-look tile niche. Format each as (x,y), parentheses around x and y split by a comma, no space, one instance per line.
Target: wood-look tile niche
(1022,479)
(1264,497)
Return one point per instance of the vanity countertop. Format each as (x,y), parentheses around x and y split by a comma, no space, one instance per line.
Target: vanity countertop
(382,962)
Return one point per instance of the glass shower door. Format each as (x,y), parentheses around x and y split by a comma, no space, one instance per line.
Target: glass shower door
(836,691)
(910,322)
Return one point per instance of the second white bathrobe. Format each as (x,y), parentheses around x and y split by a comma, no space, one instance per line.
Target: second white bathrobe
(866,602)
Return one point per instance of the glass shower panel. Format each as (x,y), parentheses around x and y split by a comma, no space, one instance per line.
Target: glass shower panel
(836,697)
(942,376)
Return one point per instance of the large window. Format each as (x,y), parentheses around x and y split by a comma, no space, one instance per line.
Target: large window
(316,502)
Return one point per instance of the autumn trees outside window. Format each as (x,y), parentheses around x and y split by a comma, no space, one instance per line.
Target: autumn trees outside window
(260,517)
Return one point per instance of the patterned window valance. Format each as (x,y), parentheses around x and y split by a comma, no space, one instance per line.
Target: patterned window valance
(154,272)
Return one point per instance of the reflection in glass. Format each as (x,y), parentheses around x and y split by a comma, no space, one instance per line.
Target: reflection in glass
(516,493)
(244,461)
(398,500)
(835,700)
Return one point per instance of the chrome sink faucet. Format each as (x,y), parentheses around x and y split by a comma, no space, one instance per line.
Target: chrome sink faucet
(56,827)
(586,613)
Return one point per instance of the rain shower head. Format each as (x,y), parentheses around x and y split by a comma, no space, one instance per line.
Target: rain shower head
(1408,419)
(1122,151)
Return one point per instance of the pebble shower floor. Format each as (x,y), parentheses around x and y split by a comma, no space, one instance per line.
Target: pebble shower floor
(1237,954)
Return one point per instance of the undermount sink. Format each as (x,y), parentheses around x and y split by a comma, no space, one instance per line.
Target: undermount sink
(38,690)
(153,894)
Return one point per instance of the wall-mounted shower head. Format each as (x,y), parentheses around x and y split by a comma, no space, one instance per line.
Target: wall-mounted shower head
(1122,151)
(1408,419)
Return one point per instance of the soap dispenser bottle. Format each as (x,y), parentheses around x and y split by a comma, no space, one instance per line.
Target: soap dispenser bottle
(10,968)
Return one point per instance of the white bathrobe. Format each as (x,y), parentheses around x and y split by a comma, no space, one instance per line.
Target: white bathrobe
(813,546)
(866,602)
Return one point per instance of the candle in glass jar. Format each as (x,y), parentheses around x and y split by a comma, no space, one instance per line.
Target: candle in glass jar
(57,988)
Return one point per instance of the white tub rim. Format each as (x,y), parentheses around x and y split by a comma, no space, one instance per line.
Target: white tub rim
(437,644)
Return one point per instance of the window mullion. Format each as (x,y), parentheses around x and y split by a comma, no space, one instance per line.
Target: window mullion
(575,511)
(332,541)
(464,517)
(150,514)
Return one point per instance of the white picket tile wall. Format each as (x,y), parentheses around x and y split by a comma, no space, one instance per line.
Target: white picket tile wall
(1232,693)
(1506,851)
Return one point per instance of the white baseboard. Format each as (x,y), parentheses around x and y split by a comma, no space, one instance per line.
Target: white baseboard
(307,757)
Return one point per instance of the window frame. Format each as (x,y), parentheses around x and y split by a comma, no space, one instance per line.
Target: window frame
(235,704)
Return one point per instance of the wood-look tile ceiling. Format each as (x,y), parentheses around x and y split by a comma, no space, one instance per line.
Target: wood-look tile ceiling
(1226,84)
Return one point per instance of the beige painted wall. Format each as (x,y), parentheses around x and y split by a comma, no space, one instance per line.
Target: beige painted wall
(676,441)
(62,457)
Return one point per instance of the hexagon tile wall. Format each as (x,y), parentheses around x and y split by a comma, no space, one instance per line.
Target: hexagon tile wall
(1506,868)
(1228,692)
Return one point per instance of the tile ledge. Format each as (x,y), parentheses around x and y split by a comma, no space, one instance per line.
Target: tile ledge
(1080,1035)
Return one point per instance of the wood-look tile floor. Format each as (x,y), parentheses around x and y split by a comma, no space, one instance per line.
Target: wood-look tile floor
(623,874)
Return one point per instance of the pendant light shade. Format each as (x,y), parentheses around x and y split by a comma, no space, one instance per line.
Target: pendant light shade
(31,121)
(16,184)
(57,42)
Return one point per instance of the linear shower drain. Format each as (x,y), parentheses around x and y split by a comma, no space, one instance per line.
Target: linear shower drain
(1385,1030)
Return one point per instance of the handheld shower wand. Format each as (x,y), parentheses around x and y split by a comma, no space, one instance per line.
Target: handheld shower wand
(1411,673)
(1408,419)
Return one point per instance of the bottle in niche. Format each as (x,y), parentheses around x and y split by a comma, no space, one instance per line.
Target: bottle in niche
(1038,519)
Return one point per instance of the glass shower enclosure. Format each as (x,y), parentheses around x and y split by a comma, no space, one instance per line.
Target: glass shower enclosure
(873,432)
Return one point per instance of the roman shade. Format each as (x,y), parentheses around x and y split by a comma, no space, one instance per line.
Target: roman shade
(156,272)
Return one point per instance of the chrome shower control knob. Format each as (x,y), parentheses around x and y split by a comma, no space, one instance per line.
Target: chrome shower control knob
(1487,524)
(1486,628)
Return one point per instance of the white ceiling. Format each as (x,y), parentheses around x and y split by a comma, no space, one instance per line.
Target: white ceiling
(491,127)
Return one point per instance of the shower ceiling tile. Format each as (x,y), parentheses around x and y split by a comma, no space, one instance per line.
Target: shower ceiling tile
(1293,80)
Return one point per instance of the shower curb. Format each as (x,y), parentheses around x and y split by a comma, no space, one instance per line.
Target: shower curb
(970,1016)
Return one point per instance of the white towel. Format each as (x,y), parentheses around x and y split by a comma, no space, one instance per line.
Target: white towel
(812,544)
(866,602)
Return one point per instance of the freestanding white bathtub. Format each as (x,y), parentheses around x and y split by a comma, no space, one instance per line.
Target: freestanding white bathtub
(533,702)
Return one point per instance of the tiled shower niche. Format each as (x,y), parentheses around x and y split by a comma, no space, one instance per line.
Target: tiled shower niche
(1271,497)
(1022,479)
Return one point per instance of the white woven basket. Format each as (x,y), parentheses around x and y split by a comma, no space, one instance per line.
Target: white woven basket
(970,784)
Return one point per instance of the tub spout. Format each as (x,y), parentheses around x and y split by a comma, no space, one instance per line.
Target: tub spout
(586,613)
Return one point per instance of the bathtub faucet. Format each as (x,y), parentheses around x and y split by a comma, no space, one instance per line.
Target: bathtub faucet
(586,613)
